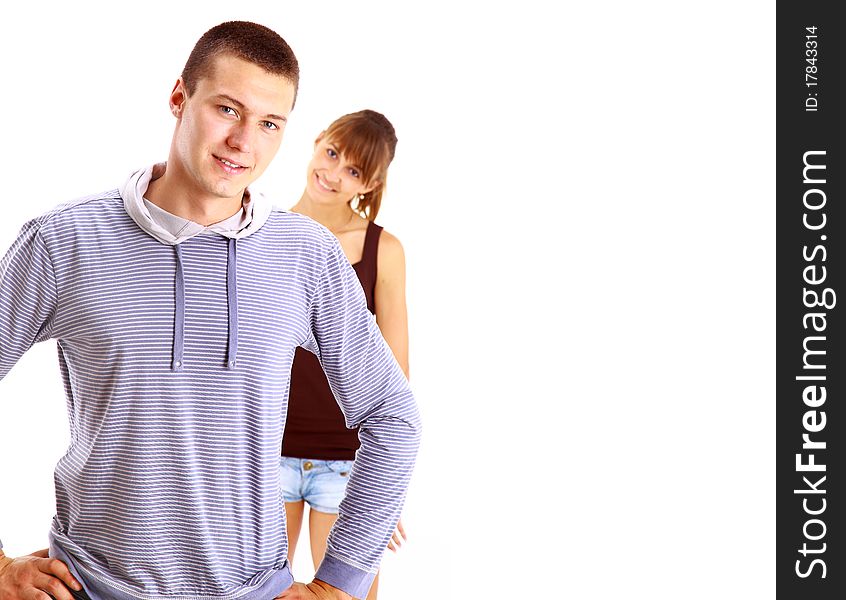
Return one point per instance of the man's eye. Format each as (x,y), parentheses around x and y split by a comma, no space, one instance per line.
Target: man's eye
(227,110)
(270,125)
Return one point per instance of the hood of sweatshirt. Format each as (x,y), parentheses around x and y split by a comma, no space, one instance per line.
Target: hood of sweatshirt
(172,230)
(257,209)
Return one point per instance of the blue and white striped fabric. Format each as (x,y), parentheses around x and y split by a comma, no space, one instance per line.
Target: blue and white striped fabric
(170,488)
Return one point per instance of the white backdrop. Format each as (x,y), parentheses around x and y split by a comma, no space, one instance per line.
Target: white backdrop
(587,202)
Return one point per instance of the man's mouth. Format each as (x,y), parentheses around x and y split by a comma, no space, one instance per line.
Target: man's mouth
(229,166)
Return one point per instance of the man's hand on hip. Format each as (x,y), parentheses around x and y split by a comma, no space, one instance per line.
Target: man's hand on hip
(316,590)
(35,576)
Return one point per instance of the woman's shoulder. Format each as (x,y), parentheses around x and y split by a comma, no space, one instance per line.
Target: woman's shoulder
(391,253)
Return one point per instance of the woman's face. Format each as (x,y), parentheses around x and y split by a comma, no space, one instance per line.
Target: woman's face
(331,176)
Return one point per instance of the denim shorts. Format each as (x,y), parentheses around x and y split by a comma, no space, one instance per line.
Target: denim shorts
(321,483)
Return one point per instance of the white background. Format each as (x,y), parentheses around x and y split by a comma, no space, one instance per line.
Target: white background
(587,201)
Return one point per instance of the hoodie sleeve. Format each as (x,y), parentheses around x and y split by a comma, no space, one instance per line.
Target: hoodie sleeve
(374,395)
(27,296)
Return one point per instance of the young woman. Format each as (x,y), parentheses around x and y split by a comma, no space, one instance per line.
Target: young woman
(344,186)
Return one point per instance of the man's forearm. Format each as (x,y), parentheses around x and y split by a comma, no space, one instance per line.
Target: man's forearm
(374,394)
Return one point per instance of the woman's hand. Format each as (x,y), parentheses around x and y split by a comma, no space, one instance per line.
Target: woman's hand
(398,538)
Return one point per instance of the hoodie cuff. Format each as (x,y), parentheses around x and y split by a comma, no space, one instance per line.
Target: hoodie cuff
(345,577)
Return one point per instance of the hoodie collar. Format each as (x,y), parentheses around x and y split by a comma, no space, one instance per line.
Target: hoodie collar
(180,228)
(171,229)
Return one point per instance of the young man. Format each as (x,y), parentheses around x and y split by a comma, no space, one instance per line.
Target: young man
(177,303)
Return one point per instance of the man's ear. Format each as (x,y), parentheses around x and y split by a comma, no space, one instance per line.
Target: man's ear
(178,97)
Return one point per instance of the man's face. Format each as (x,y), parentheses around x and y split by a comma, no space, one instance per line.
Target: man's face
(229,129)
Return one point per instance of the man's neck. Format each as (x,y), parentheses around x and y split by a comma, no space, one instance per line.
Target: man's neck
(166,192)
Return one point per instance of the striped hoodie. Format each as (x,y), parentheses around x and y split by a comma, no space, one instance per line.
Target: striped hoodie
(175,351)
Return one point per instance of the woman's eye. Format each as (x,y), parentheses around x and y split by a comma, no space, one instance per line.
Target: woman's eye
(354,173)
(331,153)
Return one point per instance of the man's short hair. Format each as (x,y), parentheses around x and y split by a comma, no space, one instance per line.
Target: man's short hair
(252,42)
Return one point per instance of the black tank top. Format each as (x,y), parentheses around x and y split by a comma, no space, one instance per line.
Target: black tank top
(315,425)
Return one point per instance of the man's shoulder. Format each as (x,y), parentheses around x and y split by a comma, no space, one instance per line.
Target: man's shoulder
(297,225)
(83,208)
